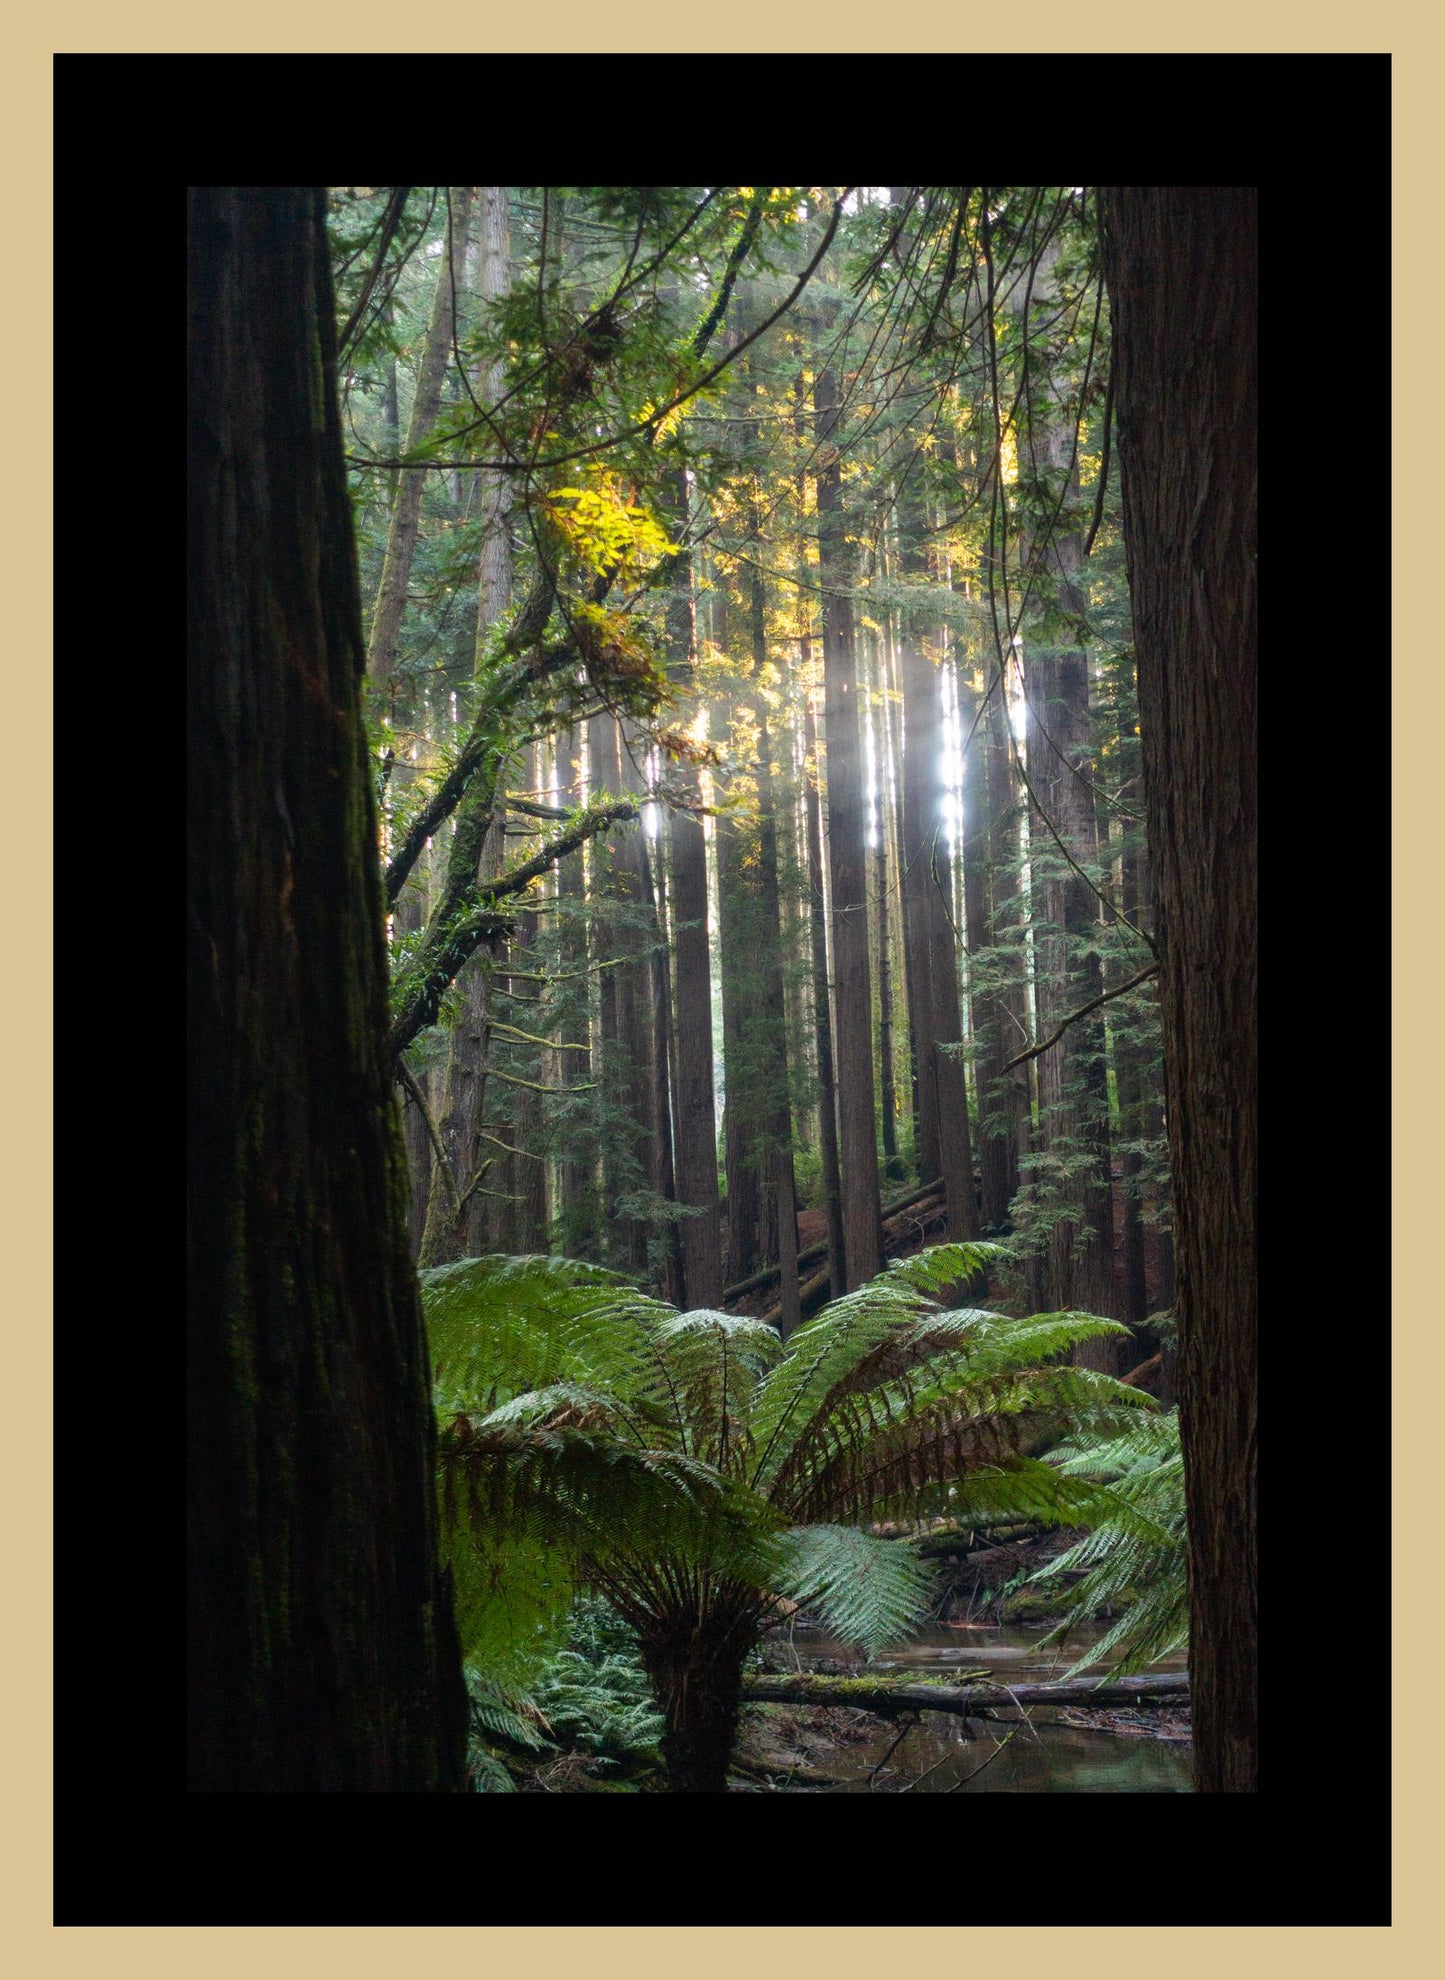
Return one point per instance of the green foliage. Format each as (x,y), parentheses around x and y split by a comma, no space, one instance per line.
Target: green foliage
(594,1436)
(1137,1556)
(595,1696)
(865,1589)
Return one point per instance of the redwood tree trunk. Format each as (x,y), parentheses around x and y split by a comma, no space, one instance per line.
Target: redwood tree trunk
(322,1655)
(847,856)
(1182,265)
(694,1113)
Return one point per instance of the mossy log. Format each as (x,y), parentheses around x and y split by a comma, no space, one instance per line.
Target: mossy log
(976,1693)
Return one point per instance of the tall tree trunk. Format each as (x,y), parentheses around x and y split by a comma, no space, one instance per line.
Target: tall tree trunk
(1073,1091)
(664,1063)
(822,1016)
(997,1140)
(635,1035)
(881,892)
(918,679)
(390,604)
(601,898)
(739,949)
(779,1123)
(572,1013)
(322,1653)
(1182,267)
(695,1116)
(1011,1096)
(847,853)
(817,897)
(461,1218)
(935,1007)
(1129,1077)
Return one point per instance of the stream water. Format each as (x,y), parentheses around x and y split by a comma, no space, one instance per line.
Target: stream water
(939,1756)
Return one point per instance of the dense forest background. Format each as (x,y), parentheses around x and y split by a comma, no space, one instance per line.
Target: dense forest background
(796,850)
(838,727)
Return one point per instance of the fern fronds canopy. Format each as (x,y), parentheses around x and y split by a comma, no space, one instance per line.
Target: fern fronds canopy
(693,1468)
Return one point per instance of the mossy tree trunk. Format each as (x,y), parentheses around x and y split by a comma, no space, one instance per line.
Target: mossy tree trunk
(322,1653)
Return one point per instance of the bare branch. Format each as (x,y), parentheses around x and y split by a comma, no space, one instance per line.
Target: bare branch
(1083,1011)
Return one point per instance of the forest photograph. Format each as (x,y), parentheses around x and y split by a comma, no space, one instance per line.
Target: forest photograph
(721,990)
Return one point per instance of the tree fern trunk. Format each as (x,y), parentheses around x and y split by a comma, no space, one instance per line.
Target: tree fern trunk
(694,1662)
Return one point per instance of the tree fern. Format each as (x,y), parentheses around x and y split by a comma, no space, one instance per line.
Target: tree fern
(691,1468)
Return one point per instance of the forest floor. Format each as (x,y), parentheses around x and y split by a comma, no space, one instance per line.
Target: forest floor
(785,1749)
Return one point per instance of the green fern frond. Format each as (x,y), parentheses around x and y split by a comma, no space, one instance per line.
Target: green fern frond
(1142,1446)
(532,1510)
(505,1714)
(563,1405)
(865,1589)
(487,1775)
(716,1361)
(498,1327)
(1138,1555)
(881,1449)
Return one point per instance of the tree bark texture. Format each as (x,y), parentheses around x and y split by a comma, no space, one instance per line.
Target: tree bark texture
(694,1662)
(322,1655)
(847,855)
(1181,263)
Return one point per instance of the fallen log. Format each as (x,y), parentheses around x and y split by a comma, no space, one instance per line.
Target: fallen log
(812,1293)
(981,1535)
(816,1251)
(977,1693)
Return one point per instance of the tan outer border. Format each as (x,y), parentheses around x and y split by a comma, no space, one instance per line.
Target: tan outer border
(30,36)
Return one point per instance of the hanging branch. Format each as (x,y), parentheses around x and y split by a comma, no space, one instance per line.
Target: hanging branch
(417,1095)
(1098,516)
(389,223)
(747,235)
(428,977)
(1083,1011)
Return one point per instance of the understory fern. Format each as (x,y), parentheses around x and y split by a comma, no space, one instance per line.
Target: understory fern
(595,1695)
(1137,1555)
(692,1469)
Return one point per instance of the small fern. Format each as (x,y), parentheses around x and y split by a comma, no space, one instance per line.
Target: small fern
(1137,1555)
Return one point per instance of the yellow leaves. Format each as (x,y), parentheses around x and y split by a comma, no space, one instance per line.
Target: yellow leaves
(668,423)
(604,532)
